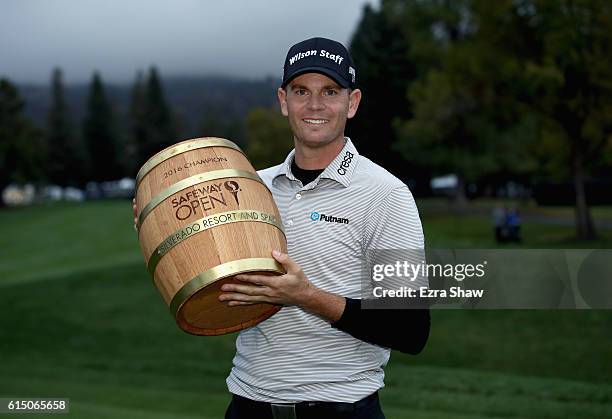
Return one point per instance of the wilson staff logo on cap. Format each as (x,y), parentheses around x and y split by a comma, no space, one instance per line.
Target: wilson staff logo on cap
(320,55)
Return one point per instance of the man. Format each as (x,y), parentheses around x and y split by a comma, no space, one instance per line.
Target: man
(322,355)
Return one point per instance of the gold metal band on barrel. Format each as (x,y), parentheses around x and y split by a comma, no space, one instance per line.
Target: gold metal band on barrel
(207,223)
(181,148)
(191,181)
(219,272)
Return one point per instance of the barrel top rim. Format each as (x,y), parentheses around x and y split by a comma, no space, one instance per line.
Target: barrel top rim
(151,163)
(187,141)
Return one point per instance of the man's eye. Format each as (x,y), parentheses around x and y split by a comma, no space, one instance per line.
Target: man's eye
(331,92)
(300,92)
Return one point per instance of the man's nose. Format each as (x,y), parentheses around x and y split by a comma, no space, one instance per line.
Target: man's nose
(316,103)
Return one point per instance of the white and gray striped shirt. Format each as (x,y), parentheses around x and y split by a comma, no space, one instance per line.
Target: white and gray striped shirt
(352,207)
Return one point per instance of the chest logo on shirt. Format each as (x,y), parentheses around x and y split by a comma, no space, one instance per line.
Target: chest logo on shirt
(315,216)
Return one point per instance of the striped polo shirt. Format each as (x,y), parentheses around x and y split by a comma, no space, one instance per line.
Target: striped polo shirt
(354,206)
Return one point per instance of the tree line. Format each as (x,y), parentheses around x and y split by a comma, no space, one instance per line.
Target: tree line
(66,154)
(104,134)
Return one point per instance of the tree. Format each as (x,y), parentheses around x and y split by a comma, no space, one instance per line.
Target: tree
(384,72)
(152,126)
(510,83)
(466,120)
(100,134)
(269,135)
(564,78)
(137,136)
(160,130)
(66,159)
(573,81)
(451,127)
(21,151)
(219,122)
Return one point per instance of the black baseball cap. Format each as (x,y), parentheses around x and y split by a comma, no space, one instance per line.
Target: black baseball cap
(320,55)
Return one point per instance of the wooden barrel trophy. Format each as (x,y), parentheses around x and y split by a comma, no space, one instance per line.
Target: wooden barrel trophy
(204,217)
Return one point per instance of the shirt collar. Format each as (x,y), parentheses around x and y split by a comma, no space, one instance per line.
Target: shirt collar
(340,169)
(284,169)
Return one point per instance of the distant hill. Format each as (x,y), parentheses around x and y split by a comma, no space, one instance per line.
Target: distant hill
(190,98)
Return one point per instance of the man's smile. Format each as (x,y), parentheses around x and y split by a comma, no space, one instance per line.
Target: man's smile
(316,121)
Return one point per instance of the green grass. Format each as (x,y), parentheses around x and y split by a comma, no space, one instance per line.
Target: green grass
(83,320)
(473,231)
(58,239)
(487,204)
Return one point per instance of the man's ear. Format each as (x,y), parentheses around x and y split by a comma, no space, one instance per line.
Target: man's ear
(354,99)
(282,100)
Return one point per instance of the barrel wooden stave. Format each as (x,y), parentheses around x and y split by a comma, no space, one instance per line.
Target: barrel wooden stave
(194,320)
(155,181)
(159,224)
(172,276)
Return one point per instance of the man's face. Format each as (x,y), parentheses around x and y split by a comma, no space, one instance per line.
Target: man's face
(317,108)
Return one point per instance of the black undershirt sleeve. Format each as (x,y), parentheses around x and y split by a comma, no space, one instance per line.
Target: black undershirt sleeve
(405,330)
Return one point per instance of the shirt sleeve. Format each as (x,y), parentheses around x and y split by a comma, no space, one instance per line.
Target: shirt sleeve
(394,232)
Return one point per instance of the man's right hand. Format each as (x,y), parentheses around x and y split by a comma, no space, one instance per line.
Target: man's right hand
(135,209)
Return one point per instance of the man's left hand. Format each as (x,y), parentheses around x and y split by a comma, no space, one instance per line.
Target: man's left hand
(290,289)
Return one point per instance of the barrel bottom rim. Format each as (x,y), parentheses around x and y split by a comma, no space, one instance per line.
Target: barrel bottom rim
(201,331)
(215,274)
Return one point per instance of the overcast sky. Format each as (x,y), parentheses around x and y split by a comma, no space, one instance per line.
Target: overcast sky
(182,37)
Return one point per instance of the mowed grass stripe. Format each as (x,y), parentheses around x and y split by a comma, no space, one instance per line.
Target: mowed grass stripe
(485,399)
(102,411)
(470,231)
(495,394)
(571,344)
(411,413)
(449,405)
(447,394)
(183,402)
(56,239)
(191,379)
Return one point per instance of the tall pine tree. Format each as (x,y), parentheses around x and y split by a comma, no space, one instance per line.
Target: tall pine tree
(100,134)
(151,122)
(160,128)
(65,163)
(21,154)
(137,136)
(384,71)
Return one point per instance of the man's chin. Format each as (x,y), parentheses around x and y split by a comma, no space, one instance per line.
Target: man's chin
(317,142)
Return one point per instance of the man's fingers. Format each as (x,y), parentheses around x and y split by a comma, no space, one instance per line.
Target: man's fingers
(255,279)
(239,296)
(240,303)
(245,289)
(288,263)
(135,210)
